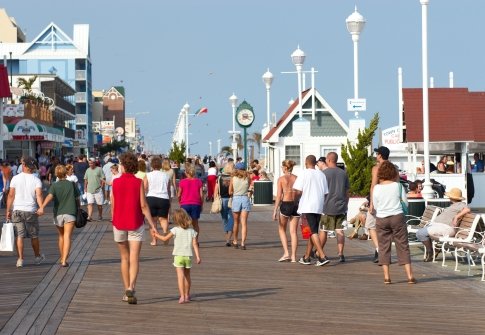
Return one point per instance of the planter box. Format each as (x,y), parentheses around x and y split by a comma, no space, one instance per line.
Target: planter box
(354,204)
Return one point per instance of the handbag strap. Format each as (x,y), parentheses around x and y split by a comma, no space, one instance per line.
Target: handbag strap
(74,189)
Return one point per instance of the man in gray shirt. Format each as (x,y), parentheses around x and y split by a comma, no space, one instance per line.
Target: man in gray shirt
(336,202)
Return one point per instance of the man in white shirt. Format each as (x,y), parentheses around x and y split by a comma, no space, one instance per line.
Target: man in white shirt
(311,186)
(24,197)
(108,175)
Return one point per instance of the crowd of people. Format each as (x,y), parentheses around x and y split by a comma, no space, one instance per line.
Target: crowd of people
(141,190)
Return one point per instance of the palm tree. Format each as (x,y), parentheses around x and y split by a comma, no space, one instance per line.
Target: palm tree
(226,149)
(256,138)
(26,84)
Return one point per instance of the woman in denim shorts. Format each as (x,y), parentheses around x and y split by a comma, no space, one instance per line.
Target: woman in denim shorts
(239,189)
(66,200)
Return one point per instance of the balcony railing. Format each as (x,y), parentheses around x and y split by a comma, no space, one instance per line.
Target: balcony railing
(80,74)
(81,97)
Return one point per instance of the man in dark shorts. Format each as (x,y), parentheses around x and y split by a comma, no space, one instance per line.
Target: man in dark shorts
(311,186)
(336,202)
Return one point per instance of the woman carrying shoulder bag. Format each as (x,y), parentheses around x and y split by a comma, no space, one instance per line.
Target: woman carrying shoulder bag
(222,189)
(390,222)
(66,201)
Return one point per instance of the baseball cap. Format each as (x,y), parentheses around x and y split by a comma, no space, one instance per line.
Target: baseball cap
(92,159)
(30,163)
(322,159)
(383,151)
(239,166)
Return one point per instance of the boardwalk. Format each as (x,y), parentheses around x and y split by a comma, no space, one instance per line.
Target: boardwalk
(235,291)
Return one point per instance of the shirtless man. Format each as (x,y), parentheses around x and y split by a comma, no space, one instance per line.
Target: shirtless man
(287,206)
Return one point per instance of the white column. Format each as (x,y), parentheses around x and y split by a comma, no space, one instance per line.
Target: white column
(427,191)
(400,107)
(355,39)
(298,70)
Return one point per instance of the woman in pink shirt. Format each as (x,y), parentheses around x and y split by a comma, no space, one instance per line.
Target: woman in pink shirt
(191,195)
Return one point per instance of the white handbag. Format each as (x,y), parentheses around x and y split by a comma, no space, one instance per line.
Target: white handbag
(8,237)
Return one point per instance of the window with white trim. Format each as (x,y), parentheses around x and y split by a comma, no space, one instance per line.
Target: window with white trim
(293,152)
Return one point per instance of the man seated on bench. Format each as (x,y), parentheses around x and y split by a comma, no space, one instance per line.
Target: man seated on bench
(445,222)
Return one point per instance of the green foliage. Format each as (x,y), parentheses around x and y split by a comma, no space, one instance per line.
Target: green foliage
(177,152)
(116,146)
(358,161)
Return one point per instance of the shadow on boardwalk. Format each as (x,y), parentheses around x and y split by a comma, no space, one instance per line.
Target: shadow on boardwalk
(234,291)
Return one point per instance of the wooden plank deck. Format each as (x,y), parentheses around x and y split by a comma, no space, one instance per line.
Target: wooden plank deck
(236,291)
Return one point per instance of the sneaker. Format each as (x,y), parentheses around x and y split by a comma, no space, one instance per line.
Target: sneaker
(376,257)
(20,263)
(100,218)
(331,234)
(304,261)
(342,259)
(322,261)
(39,259)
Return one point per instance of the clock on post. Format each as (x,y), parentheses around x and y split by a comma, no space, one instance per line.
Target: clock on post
(245,118)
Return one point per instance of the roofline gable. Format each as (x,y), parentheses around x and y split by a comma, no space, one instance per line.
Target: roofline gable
(292,110)
(49,26)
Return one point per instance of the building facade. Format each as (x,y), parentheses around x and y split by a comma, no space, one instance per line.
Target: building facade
(53,52)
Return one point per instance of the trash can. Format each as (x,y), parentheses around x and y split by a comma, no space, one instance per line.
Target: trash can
(416,207)
(263,192)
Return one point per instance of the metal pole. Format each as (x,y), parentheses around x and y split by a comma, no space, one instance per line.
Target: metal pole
(427,191)
(298,70)
(234,146)
(186,133)
(245,148)
(355,39)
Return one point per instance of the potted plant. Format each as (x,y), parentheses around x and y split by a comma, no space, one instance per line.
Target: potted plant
(359,162)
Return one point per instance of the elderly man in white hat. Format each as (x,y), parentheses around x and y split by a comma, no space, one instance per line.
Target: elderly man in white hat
(445,223)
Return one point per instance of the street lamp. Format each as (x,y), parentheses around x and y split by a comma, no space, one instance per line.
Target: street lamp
(210,148)
(298,58)
(233,100)
(186,109)
(218,146)
(267,80)
(355,24)
(427,191)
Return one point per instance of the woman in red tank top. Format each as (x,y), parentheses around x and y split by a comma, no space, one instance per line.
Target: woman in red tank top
(129,205)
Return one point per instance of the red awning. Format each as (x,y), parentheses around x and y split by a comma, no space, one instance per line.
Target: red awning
(4,84)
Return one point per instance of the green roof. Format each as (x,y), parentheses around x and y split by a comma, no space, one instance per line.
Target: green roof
(120,89)
(323,125)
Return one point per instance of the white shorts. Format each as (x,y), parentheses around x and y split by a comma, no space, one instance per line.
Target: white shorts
(97,197)
(129,235)
(370,221)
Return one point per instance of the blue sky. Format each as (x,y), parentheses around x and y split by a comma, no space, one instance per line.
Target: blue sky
(201,51)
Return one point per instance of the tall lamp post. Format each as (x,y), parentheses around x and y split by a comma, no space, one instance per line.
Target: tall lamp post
(355,24)
(218,146)
(268,80)
(210,148)
(233,100)
(427,191)
(186,109)
(298,58)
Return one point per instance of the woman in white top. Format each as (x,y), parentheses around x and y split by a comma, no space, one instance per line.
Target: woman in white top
(157,186)
(390,222)
(211,180)
(239,189)
(70,174)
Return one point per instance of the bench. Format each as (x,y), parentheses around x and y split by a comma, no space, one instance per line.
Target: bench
(415,222)
(467,236)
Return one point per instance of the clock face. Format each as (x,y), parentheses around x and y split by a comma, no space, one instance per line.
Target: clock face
(245,117)
(112,96)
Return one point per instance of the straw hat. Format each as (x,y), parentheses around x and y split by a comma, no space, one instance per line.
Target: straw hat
(455,194)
